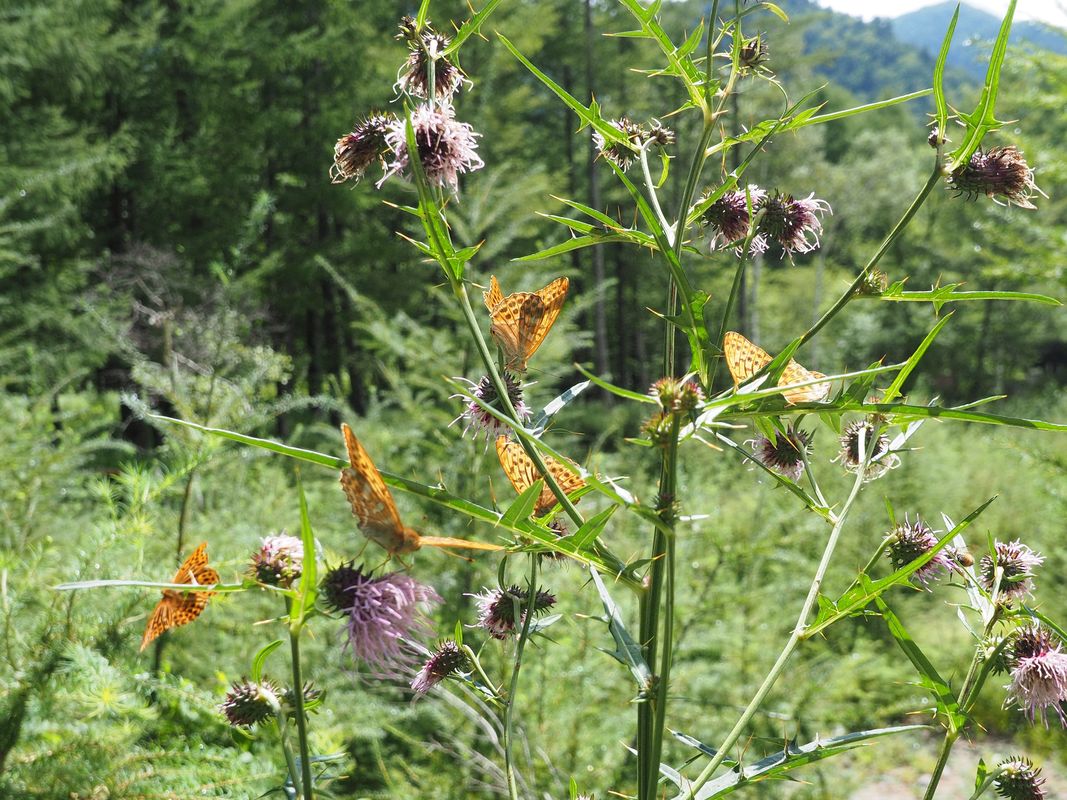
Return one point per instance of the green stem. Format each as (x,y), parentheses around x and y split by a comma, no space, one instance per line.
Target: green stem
(287,750)
(942,760)
(509,716)
(298,700)
(790,646)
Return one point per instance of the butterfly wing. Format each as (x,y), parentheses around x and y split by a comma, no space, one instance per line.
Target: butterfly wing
(523,473)
(181,608)
(514,323)
(551,297)
(371,502)
(794,373)
(494,296)
(743,358)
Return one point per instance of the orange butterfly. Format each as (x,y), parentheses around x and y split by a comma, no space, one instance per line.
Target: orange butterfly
(179,608)
(521,321)
(523,473)
(745,359)
(373,505)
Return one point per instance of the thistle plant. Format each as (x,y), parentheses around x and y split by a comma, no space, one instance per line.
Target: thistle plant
(765,419)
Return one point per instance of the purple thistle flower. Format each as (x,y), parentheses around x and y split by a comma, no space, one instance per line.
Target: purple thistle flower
(279,560)
(446,147)
(383,614)
(482,421)
(793,224)
(446,660)
(858,440)
(247,703)
(785,455)
(1019,779)
(728,220)
(414,75)
(1038,673)
(356,151)
(1018,563)
(498,610)
(910,541)
(1001,172)
(619,154)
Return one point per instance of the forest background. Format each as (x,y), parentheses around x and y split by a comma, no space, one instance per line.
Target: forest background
(168,231)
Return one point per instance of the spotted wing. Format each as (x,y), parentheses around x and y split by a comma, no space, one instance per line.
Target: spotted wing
(552,297)
(371,502)
(514,323)
(523,473)
(494,296)
(743,358)
(794,373)
(180,608)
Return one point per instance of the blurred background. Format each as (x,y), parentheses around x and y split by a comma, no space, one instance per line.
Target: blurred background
(169,234)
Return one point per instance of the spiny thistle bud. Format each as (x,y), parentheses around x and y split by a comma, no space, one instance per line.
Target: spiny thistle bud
(336,587)
(356,151)
(727,219)
(446,660)
(619,154)
(690,397)
(753,53)
(660,135)
(863,448)
(999,173)
(1019,779)
(311,698)
(934,139)
(791,222)
(785,455)
(1018,563)
(415,74)
(997,653)
(480,420)
(409,31)
(248,703)
(446,147)
(1038,673)
(911,540)
(665,392)
(874,284)
(279,561)
(501,612)
(659,428)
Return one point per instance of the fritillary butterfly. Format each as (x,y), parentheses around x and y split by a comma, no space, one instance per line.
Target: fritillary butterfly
(744,359)
(179,608)
(521,321)
(523,473)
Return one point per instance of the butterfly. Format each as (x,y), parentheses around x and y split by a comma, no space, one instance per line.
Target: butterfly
(523,473)
(521,321)
(179,608)
(373,505)
(745,359)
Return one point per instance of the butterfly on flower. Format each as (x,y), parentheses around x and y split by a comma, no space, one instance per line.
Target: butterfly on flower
(179,607)
(373,505)
(744,359)
(523,473)
(521,321)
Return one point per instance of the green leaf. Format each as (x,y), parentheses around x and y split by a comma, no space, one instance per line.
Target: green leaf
(557,404)
(948,294)
(640,397)
(523,505)
(940,104)
(627,651)
(219,588)
(894,388)
(680,64)
(420,18)
(947,705)
(437,234)
(575,243)
(261,658)
(591,529)
(470,27)
(305,599)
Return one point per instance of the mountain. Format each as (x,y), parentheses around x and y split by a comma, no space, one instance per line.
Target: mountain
(974,31)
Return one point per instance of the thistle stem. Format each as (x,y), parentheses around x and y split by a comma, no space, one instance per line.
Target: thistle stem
(298,695)
(509,715)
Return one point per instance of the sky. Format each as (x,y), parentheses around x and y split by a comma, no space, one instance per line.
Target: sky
(1051,11)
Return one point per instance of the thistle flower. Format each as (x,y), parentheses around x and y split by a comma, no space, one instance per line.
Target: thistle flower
(621,155)
(785,455)
(248,703)
(1038,673)
(1001,172)
(383,614)
(911,540)
(1018,563)
(498,610)
(414,75)
(862,435)
(446,660)
(356,151)
(446,147)
(1019,779)
(279,560)
(793,224)
(728,220)
(481,420)
(660,135)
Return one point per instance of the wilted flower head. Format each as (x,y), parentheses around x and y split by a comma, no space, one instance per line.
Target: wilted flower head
(383,613)
(414,75)
(447,659)
(481,420)
(1019,779)
(1001,172)
(446,147)
(1038,673)
(785,455)
(279,560)
(1018,563)
(859,441)
(660,135)
(911,540)
(728,220)
(310,699)
(753,53)
(501,612)
(356,151)
(249,703)
(619,154)
(793,224)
